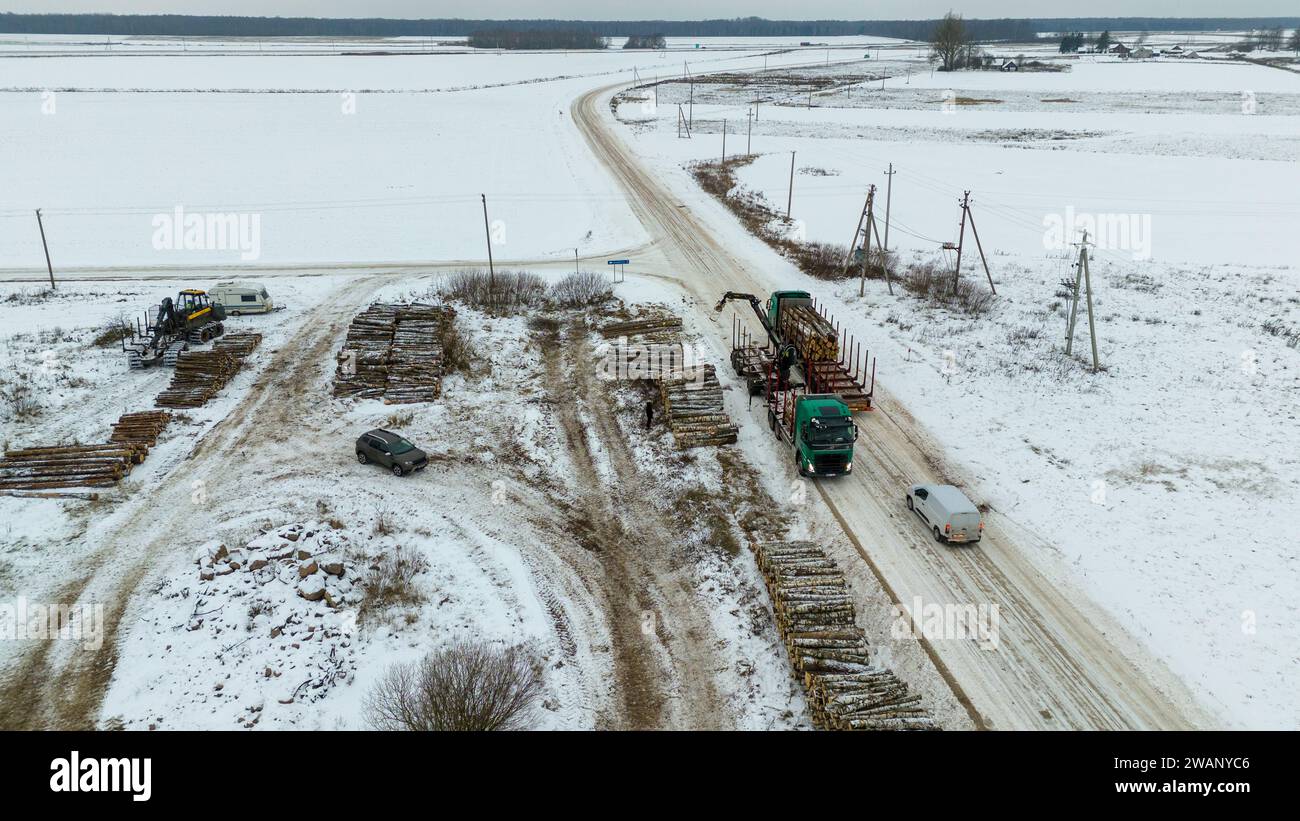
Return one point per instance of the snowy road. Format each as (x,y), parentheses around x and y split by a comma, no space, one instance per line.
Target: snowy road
(1061,662)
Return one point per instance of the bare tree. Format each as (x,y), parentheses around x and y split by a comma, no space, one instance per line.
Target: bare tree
(1294,42)
(949,41)
(467,687)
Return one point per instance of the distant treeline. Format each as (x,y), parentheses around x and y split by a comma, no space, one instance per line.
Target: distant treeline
(536,39)
(212,26)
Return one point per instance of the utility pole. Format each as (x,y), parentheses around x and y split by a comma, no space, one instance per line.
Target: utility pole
(866,244)
(690,118)
(724,145)
(48,266)
(965,216)
(1083,276)
(790,196)
(889,190)
(491,270)
(46,246)
(749,133)
(575,260)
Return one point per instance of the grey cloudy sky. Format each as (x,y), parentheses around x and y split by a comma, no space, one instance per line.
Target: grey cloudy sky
(673,9)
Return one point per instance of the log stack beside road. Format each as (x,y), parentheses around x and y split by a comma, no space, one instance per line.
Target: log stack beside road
(394,352)
(692,399)
(816,619)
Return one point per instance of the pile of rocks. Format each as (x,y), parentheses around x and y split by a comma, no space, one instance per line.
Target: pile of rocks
(308,556)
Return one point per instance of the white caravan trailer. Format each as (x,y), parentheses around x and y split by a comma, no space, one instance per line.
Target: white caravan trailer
(242,298)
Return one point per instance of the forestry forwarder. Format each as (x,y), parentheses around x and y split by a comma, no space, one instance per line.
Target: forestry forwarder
(192,318)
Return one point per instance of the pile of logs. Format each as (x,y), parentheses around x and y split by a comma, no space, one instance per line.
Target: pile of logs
(140,428)
(241,344)
(812,333)
(654,326)
(816,620)
(692,399)
(199,376)
(394,352)
(69,465)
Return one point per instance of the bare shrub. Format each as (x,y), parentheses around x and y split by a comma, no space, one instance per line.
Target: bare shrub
(390,581)
(111,333)
(932,284)
(581,289)
(505,292)
(457,353)
(467,687)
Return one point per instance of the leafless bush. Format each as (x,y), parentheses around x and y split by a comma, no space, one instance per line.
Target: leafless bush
(505,292)
(457,352)
(111,333)
(390,581)
(20,401)
(579,290)
(468,687)
(932,284)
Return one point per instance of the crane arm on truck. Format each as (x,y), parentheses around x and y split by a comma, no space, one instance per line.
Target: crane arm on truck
(758,310)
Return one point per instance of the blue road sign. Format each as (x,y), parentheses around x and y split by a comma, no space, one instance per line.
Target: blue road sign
(617,262)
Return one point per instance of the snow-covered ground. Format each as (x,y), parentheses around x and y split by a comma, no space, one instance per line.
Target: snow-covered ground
(1152,479)
(370,162)
(1158,479)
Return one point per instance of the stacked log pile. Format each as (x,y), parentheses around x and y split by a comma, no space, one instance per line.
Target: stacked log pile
(811,333)
(69,465)
(664,326)
(415,366)
(241,344)
(692,399)
(816,620)
(394,352)
(140,428)
(199,376)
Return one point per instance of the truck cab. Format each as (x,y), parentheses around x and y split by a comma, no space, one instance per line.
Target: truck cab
(821,430)
(781,299)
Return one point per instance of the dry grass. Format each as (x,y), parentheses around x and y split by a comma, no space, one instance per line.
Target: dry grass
(501,293)
(468,687)
(928,282)
(581,289)
(389,581)
(822,260)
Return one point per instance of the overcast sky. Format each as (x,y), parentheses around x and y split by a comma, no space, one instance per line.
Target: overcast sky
(673,9)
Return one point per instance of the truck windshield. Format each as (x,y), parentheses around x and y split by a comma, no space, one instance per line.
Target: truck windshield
(830,433)
(401,446)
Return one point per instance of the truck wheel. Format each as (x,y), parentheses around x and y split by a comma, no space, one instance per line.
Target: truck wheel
(909,503)
(771,420)
(938,537)
(397,471)
(361,457)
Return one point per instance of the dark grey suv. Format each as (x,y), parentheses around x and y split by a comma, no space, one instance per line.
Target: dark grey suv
(390,451)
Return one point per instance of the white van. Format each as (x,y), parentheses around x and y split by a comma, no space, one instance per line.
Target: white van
(950,516)
(242,298)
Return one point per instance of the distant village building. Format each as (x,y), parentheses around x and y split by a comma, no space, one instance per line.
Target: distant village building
(1010,65)
(1120,49)
(1141,53)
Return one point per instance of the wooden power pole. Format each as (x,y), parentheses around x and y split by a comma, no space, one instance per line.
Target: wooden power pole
(491,270)
(48,265)
(1083,276)
(789,197)
(967,216)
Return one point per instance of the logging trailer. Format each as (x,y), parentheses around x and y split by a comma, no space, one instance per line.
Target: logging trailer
(799,335)
(191,318)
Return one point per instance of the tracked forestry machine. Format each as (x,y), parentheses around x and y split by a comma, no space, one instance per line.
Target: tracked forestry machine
(171,327)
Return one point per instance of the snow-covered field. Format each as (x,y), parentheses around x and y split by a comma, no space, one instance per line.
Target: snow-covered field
(1153,479)
(326,158)
(1157,479)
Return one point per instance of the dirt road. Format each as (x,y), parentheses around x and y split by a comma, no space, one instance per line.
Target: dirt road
(1061,662)
(662,639)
